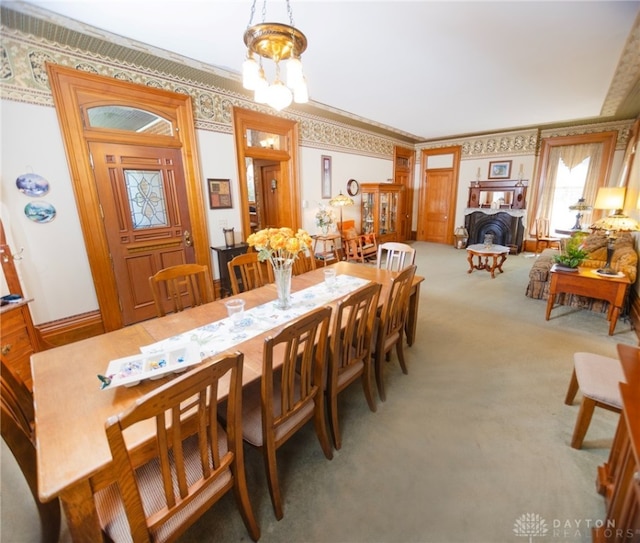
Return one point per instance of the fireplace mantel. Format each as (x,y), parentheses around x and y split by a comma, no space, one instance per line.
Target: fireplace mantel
(493,211)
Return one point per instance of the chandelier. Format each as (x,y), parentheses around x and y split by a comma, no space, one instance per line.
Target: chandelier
(277,42)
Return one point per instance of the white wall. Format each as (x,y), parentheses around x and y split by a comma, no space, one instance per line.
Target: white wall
(55,269)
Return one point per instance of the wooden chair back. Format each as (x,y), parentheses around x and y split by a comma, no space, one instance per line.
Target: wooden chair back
(350,354)
(183,286)
(290,393)
(391,323)
(543,235)
(396,256)
(194,462)
(246,272)
(17,429)
(304,262)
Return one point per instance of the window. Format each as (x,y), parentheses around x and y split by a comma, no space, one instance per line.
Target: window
(571,167)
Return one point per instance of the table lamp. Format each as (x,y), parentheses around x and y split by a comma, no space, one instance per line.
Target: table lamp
(612,198)
(340,201)
(579,206)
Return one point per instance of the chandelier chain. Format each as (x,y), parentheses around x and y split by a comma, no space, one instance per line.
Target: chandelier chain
(253,11)
(264,11)
(290,12)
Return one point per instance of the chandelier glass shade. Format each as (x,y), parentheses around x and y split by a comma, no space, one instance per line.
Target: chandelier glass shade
(276,42)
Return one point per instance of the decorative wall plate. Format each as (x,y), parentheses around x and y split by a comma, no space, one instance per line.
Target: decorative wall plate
(353,187)
(32,184)
(40,211)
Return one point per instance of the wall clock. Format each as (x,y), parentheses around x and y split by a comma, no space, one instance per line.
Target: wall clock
(353,187)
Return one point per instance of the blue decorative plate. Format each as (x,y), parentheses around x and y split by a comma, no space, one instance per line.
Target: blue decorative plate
(40,211)
(32,184)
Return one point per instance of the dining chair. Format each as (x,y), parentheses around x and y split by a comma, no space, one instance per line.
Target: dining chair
(390,324)
(350,352)
(598,378)
(289,394)
(190,283)
(246,272)
(18,431)
(396,256)
(304,262)
(192,461)
(543,235)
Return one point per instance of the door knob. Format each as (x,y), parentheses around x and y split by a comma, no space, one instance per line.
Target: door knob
(187,238)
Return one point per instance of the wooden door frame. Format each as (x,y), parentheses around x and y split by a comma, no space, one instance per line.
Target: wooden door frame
(456,151)
(243,120)
(407,204)
(68,86)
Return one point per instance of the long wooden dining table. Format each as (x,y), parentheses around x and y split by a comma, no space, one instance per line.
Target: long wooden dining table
(73,457)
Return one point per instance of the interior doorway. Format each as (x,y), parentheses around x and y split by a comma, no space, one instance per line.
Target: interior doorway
(267,158)
(438,193)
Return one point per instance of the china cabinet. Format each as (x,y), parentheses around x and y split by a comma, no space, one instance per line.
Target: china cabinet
(381,205)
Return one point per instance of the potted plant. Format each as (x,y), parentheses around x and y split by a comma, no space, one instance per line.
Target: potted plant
(574,253)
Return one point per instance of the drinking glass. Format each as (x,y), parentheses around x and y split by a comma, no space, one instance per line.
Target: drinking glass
(235,310)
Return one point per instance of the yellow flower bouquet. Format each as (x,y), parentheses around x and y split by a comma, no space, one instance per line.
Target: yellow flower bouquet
(280,246)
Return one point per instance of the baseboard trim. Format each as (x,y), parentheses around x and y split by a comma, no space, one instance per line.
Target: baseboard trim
(70,329)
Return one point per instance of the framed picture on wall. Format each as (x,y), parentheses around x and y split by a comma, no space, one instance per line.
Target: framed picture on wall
(219,193)
(500,169)
(325,162)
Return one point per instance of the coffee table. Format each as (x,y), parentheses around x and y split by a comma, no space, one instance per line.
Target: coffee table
(498,254)
(587,282)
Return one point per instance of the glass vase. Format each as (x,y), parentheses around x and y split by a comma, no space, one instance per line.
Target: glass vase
(282,275)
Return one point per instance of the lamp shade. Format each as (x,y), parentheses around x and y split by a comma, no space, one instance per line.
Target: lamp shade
(610,198)
(341,200)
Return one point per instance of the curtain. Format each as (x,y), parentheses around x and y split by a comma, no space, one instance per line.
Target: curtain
(571,156)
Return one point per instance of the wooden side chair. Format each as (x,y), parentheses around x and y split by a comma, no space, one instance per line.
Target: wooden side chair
(193,461)
(543,235)
(289,394)
(18,431)
(598,378)
(304,262)
(350,354)
(184,285)
(391,325)
(246,272)
(395,256)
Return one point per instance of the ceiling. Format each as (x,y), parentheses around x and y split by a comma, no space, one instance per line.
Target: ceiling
(424,68)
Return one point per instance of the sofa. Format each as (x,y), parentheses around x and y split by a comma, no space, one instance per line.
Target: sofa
(624,259)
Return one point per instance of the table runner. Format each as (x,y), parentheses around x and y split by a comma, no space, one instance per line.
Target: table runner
(222,335)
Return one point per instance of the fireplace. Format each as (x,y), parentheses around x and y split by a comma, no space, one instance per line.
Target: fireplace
(506,225)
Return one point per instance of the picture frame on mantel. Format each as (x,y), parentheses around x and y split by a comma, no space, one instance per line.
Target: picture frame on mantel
(499,169)
(219,193)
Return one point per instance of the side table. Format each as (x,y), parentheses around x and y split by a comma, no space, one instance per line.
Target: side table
(496,252)
(329,254)
(225,254)
(586,282)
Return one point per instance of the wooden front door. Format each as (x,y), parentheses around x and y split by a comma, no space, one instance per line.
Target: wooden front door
(145,211)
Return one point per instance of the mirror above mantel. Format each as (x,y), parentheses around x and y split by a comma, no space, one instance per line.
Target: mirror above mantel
(502,194)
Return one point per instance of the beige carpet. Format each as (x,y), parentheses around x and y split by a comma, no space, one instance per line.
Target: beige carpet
(476,436)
